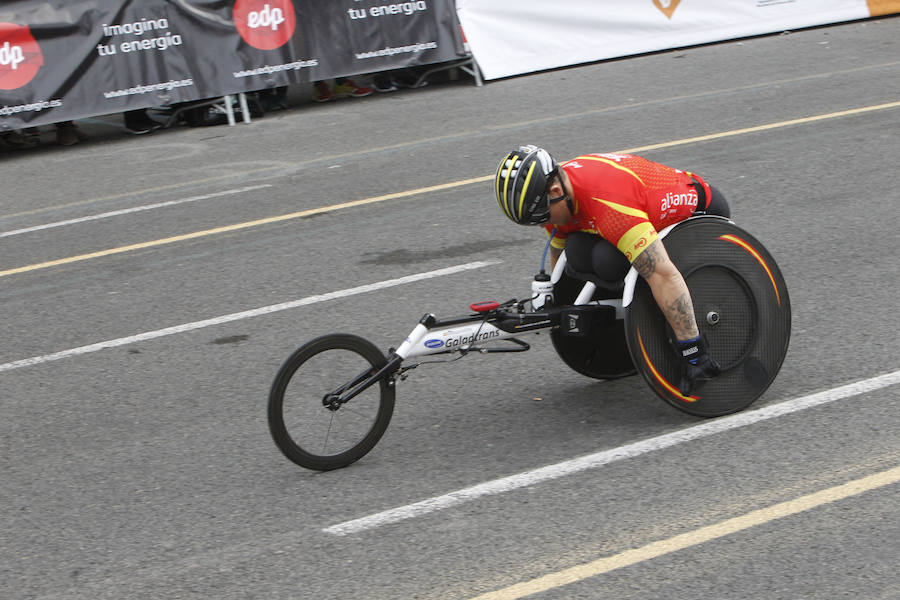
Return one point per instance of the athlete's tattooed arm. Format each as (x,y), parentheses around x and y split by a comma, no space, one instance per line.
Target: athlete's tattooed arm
(646,261)
(669,289)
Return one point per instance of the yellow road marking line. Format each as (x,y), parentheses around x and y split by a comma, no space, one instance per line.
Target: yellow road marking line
(694,538)
(236,227)
(699,95)
(507,126)
(758,128)
(419,191)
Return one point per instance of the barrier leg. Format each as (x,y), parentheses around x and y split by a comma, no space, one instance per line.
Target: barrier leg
(229,110)
(242,99)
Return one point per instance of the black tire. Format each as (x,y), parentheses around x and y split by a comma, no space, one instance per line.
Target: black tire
(309,433)
(742,308)
(603,353)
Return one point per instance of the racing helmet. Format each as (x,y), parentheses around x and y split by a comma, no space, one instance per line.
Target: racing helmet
(521,185)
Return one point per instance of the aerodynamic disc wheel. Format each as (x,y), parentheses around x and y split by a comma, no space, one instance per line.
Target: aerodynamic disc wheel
(742,308)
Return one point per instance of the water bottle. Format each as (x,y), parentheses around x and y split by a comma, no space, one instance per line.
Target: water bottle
(541,291)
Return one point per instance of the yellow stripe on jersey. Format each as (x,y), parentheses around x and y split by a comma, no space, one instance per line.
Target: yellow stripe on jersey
(636,240)
(613,164)
(558,241)
(625,210)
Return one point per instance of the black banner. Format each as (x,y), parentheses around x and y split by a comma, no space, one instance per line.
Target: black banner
(63,60)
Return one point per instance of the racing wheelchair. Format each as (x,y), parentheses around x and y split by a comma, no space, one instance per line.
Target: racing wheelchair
(333,398)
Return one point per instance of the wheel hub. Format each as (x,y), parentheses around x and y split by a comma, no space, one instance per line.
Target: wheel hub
(331,402)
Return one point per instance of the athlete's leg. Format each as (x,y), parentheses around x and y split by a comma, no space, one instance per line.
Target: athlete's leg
(590,253)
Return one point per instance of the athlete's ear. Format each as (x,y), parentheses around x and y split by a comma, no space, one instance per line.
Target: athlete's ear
(556,188)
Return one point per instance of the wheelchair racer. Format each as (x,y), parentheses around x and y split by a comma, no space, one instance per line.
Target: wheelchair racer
(605,210)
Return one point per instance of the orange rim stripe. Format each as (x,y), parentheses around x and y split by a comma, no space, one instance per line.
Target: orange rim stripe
(755,254)
(662,380)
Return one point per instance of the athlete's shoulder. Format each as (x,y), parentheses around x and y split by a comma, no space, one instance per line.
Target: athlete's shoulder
(602,172)
(598,160)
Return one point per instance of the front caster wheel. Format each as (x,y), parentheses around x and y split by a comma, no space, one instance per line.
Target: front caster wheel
(308,424)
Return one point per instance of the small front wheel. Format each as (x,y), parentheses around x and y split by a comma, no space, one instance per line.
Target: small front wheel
(308,426)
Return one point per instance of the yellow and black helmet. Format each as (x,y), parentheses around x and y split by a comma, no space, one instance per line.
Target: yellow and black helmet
(521,185)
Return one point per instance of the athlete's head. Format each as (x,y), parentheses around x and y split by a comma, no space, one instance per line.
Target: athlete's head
(522,185)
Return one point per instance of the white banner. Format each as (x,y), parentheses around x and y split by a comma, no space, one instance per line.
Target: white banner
(511,37)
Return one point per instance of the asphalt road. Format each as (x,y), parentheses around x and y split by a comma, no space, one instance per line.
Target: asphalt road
(135,459)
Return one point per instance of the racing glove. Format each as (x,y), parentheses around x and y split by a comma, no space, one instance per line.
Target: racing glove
(697,367)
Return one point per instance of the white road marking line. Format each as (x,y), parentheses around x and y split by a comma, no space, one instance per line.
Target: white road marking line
(696,537)
(125,211)
(592,461)
(256,312)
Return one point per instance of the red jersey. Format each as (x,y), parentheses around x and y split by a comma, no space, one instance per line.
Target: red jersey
(626,199)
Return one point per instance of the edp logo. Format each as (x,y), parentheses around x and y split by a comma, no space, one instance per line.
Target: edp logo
(11,56)
(265,24)
(20,56)
(267,17)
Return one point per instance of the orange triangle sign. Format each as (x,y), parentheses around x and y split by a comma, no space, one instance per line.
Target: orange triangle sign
(667,6)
